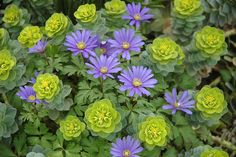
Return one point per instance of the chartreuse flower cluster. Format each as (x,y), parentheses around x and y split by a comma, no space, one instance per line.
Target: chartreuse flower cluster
(154,131)
(210,102)
(115,7)
(56,24)
(7,62)
(86,13)
(102,118)
(29,36)
(214,153)
(210,41)
(12,15)
(47,86)
(165,50)
(186,8)
(71,127)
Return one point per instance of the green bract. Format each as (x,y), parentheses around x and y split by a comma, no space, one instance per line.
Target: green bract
(7,62)
(154,131)
(71,127)
(86,13)
(115,7)
(4,36)
(187,7)
(47,86)
(210,101)
(165,50)
(8,125)
(210,41)
(214,153)
(12,15)
(102,117)
(56,24)
(29,36)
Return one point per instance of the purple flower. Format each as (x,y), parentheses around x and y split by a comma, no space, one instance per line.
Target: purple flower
(126,41)
(126,147)
(39,47)
(136,80)
(183,102)
(27,93)
(82,42)
(107,49)
(136,14)
(103,66)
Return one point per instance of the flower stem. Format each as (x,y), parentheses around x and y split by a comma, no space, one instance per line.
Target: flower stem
(102,89)
(4,96)
(224,143)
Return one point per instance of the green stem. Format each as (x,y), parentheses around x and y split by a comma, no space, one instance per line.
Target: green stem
(102,89)
(224,143)
(4,96)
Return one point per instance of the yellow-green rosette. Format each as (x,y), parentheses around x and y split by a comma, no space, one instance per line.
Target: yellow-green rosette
(47,86)
(56,24)
(29,36)
(12,15)
(71,127)
(164,50)
(115,7)
(214,153)
(154,131)
(86,13)
(102,118)
(210,102)
(187,8)
(210,41)
(7,62)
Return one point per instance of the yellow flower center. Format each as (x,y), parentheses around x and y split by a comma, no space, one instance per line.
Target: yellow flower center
(101,117)
(137,82)
(104,50)
(81,45)
(45,84)
(163,48)
(71,128)
(103,70)
(176,104)
(185,4)
(209,99)
(31,97)
(211,39)
(137,17)
(125,45)
(154,132)
(126,153)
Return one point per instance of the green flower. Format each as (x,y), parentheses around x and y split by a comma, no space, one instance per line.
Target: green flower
(187,7)
(56,24)
(101,117)
(210,101)
(71,127)
(211,41)
(154,131)
(4,36)
(165,50)
(214,153)
(47,86)
(86,13)
(7,62)
(12,15)
(29,36)
(115,7)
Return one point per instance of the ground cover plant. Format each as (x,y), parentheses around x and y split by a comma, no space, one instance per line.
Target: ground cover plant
(118,78)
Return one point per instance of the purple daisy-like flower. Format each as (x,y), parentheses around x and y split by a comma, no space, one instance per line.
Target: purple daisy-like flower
(82,42)
(39,47)
(183,102)
(126,41)
(106,49)
(136,14)
(103,66)
(136,80)
(27,93)
(126,147)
